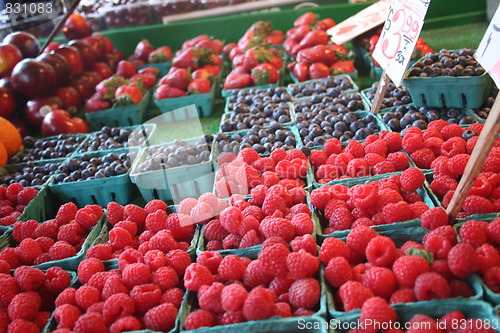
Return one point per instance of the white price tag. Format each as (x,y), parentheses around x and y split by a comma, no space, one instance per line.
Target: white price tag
(399,36)
(487,52)
(363,21)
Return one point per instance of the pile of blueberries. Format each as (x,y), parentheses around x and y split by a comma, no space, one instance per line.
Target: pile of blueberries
(260,139)
(325,85)
(115,138)
(393,96)
(87,167)
(257,107)
(447,63)
(177,153)
(58,147)
(30,175)
(484,110)
(404,116)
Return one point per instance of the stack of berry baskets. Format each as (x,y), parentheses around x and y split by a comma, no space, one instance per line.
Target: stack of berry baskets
(112,138)
(96,178)
(425,275)
(174,170)
(288,303)
(300,91)
(384,202)
(61,242)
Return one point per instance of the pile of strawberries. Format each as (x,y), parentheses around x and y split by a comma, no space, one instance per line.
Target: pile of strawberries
(194,68)
(239,174)
(389,200)
(270,212)
(237,289)
(446,149)
(143,229)
(144,292)
(376,155)
(51,240)
(367,266)
(145,53)
(254,61)
(28,295)
(315,56)
(13,201)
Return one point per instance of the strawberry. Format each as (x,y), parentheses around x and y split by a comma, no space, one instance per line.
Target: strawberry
(237,81)
(147,79)
(214,70)
(308,18)
(234,52)
(177,78)
(340,51)
(299,33)
(199,86)
(255,56)
(143,49)
(193,41)
(340,67)
(202,73)
(373,42)
(126,69)
(315,37)
(325,24)
(290,66)
(228,47)
(215,60)
(125,95)
(191,58)
(318,53)
(165,91)
(318,70)
(264,74)
(289,45)
(96,104)
(150,70)
(107,88)
(240,69)
(217,46)
(275,38)
(301,71)
(161,54)
(276,61)
(238,61)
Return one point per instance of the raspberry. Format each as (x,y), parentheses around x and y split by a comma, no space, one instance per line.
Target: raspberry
(61,250)
(280,227)
(423,158)
(12,191)
(380,280)
(28,250)
(136,274)
(296,154)
(450,131)
(376,310)
(264,164)
(9,289)
(21,325)
(305,242)
(477,205)
(303,224)
(202,212)
(397,212)
(209,297)
(29,278)
(86,218)
(460,288)
(230,219)
(213,230)
(474,233)
(114,212)
(24,306)
(332,146)
(355,148)
(232,241)
(441,185)
(492,279)
(66,213)
(248,155)
(270,178)
(338,271)
(163,241)
(434,218)
(66,316)
(317,158)
(45,243)
(378,147)
(304,293)
(259,304)
(161,317)
(173,296)
(384,167)
(333,247)
(125,324)
(231,268)
(457,163)
(199,318)
(164,277)
(407,268)
(233,297)
(186,206)
(87,268)
(117,306)
(281,284)
(301,208)
(333,205)
(393,140)
(90,322)
(353,294)
(357,168)
(154,222)
(22,230)
(411,179)
(70,233)
(403,295)
(462,260)
(487,257)
(363,196)
(85,296)
(493,231)
(273,260)
(179,260)
(259,194)
(47,229)
(434,144)
(255,275)
(4,267)
(319,199)
(381,251)
(135,214)
(196,276)
(210,259)
(302,265)
(453,146)
(9,255)
(430,286)
(247,224)
(129,256)
(412,142)
(67,296)
(113,285)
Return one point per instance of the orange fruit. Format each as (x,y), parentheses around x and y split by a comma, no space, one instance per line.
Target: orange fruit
(10,137)
(3,155)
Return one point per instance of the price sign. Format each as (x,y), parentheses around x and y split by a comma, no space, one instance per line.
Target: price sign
(363,21)
(487,52)
(399,36)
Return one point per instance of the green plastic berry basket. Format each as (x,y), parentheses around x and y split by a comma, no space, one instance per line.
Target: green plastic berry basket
(424,193)
(401,234)
(70,264)
(364,94)
(354,87)
(228,93)
(435,309)
(175,183)
(142,128)
(449,91)
(11,168)
(162,67)
(97,191)
(118,116)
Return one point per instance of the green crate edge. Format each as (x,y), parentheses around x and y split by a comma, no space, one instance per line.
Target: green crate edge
(163,67)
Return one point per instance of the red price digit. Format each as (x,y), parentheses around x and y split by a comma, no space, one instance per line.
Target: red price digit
(390,44)
(411,27)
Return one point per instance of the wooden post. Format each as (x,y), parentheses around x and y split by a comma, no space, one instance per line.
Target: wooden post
(486,140)
(379,95)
